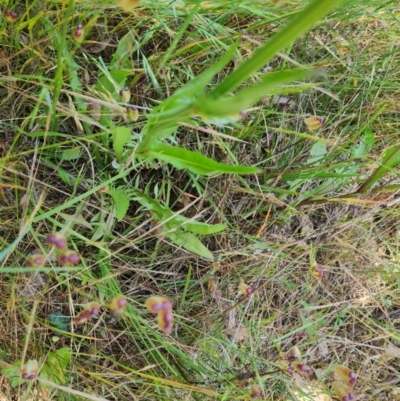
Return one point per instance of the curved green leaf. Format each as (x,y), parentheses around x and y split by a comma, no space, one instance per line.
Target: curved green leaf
(194,161)
(121,202)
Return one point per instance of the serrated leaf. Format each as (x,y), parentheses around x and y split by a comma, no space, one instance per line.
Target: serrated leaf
(71,154)
(189,242)
(121,136)
(194,161)
(121,202)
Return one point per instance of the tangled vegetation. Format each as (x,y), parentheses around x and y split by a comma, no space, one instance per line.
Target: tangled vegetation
(199,200)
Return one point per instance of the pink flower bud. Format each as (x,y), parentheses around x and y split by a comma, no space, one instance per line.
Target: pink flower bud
(36,260)
(302,368)
(117,305)
(90,310)
(10,16)
(57,240)
(125,94)
(30,370)
(68,258)
(342,391)
(78,34)
(293,355)
(156,304)
(165,321)
(245,289)
(347,375)
(256,391)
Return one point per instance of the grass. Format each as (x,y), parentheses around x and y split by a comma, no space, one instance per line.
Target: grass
(319,201)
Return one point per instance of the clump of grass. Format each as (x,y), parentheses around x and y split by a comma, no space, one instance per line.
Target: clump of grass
(309,241)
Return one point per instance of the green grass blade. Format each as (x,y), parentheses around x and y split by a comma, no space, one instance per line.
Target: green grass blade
(389,162)
(316,10)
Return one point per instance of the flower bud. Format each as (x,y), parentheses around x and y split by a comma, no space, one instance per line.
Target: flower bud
(35,260)
(245,289)
(317,272)
(165,321)
(158,304)
(302,368)
(343,391)
(314,122)
(345,374)
(117,305)
(90,310)
(132,112)
(68,258)
(78,34)
(30,370)
(57,240)
(10,16)
(127,5)
(256,391)
(125,94)
(293,354)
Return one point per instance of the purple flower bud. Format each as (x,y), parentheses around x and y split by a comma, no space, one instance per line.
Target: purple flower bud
(166,305)
(351,395)
(63,259)
(73,258)
(94,311)
(168,317)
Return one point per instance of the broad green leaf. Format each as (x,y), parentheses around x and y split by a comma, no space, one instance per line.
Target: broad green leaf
(194,161)
(208,106)
(302,22)
(189,242)
(112,82)
(120,136)
(13,374)
(390,160)
(366,144)
(59,321)
(71,154)
(164,213)
(317,152)
(126,47)
(55,366)
(121,202)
